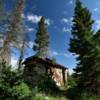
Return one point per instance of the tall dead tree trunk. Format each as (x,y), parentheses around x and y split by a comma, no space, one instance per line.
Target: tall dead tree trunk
(5,54)
(21,55)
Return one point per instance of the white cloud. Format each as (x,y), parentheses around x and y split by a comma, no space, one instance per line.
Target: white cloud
(55,53)
(97,26)
(66,29)
(97,21)
(95,9)
(31,43)
(70,21)
(64,20)
(1,42)
(22,15)
(70,71)
(65,54)
(35,19)
(71,18)
(48,21)
(70,2)
(67,21)
(30,29)
(14,61)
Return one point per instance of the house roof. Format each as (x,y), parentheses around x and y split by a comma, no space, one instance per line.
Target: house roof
(47,61)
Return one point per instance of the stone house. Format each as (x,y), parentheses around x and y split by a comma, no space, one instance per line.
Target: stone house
(36,67)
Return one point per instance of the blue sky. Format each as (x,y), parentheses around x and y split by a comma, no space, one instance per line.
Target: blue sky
(58,14)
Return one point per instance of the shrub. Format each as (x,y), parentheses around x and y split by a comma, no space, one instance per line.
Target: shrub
(21,92)
(71,81)
(88,96)
(47,85)
(12,86)
(38,96)
(76,94)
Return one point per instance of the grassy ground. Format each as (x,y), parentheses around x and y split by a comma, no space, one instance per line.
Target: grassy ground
(43,96)
(40,96)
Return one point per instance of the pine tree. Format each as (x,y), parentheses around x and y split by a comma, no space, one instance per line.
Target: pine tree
(96,65)
(82,44)
(42,40)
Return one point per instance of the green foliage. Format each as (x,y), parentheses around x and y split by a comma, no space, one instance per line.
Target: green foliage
(71,82)
(40,95)
(47,85)
(42,40)
(74,93)
(12,86)
(86,96)
(83,44)
(17,92)
(21,91)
